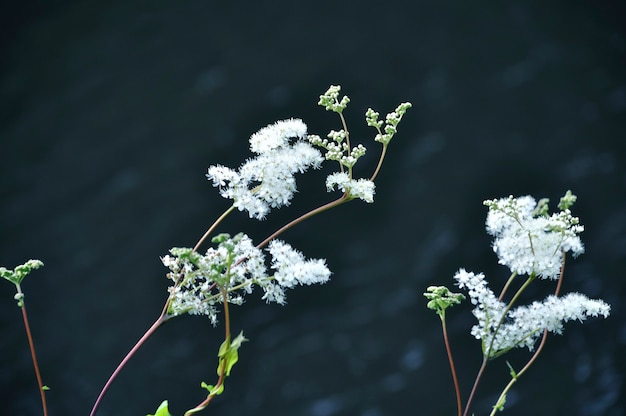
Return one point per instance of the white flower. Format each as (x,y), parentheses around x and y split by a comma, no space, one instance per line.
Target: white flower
(522,325)
(267,180)
(360,188)
(292,268)
(489,310)
(528,243)
(526,323)
(277,135)
(235,263)
(235,266)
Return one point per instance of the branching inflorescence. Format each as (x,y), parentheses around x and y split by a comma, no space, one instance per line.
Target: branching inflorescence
(531,243)
(203,283)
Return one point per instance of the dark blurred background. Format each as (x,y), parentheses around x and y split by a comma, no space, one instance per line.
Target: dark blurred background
(111,113)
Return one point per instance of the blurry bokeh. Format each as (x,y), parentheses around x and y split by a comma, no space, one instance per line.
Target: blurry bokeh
(111,112)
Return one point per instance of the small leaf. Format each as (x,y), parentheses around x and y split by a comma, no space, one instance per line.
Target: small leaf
(45,388)
(501,402)
(229,354)
(239,339)
(512,371)
(231,358)
(215,391)
(162,410)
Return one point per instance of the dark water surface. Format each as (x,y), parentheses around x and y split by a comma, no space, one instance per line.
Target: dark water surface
(112,111)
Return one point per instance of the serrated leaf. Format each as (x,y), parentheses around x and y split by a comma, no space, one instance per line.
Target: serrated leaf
(162,410)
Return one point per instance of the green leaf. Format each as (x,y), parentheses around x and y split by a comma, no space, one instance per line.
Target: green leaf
(162,410)
(512,371)
(220,238)
(501,402)
(229,354)
(215,391)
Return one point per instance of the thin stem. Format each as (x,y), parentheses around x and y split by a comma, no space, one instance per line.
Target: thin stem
(212,228)
(31,344)
(162,319)
(487,353)
(541,344)
(452,367)
(380,162)
(303,217)
(522,371)
(345,128)
(222,375)
(506,286)
(475,386)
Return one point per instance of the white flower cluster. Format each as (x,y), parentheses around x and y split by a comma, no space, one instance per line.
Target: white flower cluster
(529,243)
(501,330)
(267,180)
(234,267)
(355,188)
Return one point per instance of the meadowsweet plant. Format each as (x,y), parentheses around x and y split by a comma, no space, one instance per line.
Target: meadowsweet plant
(207,281)
(533,244)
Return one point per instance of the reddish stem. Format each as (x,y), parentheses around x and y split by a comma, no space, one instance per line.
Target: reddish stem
(222,375)
(301,218)
(162,319)
(452,367)
(31,344)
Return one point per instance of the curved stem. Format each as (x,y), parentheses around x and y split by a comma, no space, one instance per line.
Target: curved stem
(380,162)
(475,386)
(452,367)
(212,228)
(222,374)
(162,319)
(522,371)
(487,354)
(31,344)
(325,207)
(506,286)
(541,344)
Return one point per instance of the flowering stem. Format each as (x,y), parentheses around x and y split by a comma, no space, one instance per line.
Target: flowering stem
(452,367)
(539,349)
(487,354)
(31,344)
(160,320)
